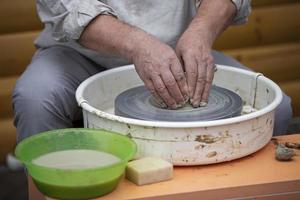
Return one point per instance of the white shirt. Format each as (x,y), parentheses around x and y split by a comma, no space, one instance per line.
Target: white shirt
(66,19)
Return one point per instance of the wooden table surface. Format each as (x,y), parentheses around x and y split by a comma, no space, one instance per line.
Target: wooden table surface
(258,176)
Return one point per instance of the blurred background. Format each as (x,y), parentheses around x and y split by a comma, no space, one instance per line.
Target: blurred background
(269,43)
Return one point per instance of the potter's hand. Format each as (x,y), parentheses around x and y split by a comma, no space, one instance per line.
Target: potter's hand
(159,68)
(194,50)
(194,46)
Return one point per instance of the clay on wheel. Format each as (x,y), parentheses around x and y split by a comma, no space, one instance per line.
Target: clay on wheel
(138,103)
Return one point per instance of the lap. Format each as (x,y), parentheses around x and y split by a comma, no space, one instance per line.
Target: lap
(56,65)
(44,95)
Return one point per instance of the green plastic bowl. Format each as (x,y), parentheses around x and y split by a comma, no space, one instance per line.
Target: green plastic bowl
(76,183)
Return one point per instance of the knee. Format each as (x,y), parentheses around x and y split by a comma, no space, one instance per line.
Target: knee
(27,107)
(23,92)
(36,94)
(29,97)
(31,90)
(36,107)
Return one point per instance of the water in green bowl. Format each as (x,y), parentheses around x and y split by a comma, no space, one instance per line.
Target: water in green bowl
(79,181)
(76,159)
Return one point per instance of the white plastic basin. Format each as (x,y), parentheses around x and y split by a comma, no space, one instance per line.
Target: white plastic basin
(186,143)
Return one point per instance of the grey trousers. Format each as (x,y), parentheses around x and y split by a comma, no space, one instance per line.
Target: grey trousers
(44,96)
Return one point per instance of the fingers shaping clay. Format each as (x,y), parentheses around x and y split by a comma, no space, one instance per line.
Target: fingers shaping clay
(149,170)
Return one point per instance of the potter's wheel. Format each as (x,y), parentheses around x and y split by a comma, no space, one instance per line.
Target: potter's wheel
(185,142)
(137,103)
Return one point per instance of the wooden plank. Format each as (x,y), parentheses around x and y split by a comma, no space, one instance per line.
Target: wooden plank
(16,52)
(21,44)
(267,25)
(18,15)
(6,88)
(8,137)
(278,62)
(292,89)
(22,14)
(256,3)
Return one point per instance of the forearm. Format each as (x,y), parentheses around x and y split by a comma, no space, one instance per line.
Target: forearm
(212,18)
(108,35)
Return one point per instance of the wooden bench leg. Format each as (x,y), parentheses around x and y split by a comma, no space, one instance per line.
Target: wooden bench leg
(33,192)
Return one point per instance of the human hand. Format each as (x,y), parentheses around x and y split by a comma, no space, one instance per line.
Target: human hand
(158,66)
(194,50)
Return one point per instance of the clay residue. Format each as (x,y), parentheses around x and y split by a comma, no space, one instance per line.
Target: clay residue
(129,135)
(274,141)
(292,145)
(248,109)
(284,153)
(211,154)
(200,146)
(207,139)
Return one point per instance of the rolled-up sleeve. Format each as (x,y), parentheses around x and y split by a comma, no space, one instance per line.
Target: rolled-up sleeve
(68,18)
(243,10)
